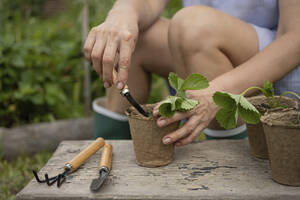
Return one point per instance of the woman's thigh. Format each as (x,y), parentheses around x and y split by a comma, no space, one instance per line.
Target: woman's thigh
(152,51)
(201,28)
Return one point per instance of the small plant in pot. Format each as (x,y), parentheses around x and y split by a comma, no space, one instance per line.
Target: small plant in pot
(262,103)
(282,130)
(147,136)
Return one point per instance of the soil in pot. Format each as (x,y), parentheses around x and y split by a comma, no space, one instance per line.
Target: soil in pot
(147,138)
(282,131)
(256,134)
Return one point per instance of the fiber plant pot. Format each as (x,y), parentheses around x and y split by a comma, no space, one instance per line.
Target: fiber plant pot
(147,138)
(256,134)
(282,131)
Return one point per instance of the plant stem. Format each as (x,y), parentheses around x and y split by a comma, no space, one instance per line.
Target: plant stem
(287,92)
(251,88)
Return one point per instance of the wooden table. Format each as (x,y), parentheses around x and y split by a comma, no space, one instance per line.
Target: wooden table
(222,169)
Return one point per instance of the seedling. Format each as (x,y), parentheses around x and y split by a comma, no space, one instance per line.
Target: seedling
(231,105)
(180,102)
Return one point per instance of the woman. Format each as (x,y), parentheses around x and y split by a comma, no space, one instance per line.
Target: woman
(235,44)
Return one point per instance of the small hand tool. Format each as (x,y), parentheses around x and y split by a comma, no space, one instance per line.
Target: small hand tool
(125,92)
(74,164)
(105,166)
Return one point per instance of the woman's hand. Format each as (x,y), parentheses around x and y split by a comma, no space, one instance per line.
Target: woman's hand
(118,33)
(197,119)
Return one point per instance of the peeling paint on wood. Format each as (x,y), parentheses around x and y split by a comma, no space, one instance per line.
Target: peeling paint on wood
(222,169)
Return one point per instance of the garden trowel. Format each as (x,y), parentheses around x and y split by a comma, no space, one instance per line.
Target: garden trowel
(125,92)
(105,166)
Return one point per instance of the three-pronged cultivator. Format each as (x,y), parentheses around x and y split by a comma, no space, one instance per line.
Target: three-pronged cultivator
(71,166)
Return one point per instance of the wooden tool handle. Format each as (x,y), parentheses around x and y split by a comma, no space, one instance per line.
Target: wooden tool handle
(86,153)
(106,155)
(115,78)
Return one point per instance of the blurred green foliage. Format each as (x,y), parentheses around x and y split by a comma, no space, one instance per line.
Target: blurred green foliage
(16,174)
(41,71)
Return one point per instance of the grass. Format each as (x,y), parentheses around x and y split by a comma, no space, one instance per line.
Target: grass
(15,174)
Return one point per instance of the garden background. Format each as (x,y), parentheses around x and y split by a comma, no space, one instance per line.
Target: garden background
(41,72)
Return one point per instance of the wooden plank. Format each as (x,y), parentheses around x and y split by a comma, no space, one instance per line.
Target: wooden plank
(222,169)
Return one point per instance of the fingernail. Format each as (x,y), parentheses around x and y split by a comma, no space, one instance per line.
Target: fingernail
(106,84)
(120,85)
(155,112)
(167,141)
(162,122)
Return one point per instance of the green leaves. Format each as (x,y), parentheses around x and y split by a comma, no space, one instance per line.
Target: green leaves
(173,103)
(179,102)
(268,89)
(230,106)
(195,82)
(227,118)
(175,81)
(168,106)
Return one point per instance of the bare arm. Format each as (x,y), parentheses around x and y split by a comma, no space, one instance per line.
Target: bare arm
(119,32)
(145,11)
(273,62)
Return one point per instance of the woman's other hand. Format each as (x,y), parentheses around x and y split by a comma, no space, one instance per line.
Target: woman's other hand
(197,119)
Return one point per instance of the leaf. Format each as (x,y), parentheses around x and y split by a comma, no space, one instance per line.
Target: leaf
(249,116)
(175,81)
(246,104)
(231,104)
(168,107)
(165,110)
(181,94)
(268,89)
(188,104)
(224,100)
(195,82)
(227,118)
(247,111)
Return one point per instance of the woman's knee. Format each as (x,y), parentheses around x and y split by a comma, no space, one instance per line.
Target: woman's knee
(194,28)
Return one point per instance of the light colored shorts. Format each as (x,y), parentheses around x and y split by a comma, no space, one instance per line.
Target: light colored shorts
(290,82)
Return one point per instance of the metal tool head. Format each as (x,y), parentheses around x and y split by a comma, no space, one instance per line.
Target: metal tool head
(125,92)
(97,183)
(60,178)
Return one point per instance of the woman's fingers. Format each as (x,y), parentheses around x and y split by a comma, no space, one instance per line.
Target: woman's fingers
(97,52)
(124,63)
(192,136)
(155,110)
(89,43)
(185,130)
(162,121)
(109,59)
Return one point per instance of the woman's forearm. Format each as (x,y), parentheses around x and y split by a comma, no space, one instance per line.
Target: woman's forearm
(144,11)
(272,63)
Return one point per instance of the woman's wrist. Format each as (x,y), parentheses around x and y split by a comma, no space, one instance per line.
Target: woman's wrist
(128,13)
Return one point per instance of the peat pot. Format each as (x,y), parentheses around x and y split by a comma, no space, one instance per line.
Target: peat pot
(147,138)
(256,134)
(282,130)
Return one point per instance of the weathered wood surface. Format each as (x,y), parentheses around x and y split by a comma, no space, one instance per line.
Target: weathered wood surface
(220,169)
